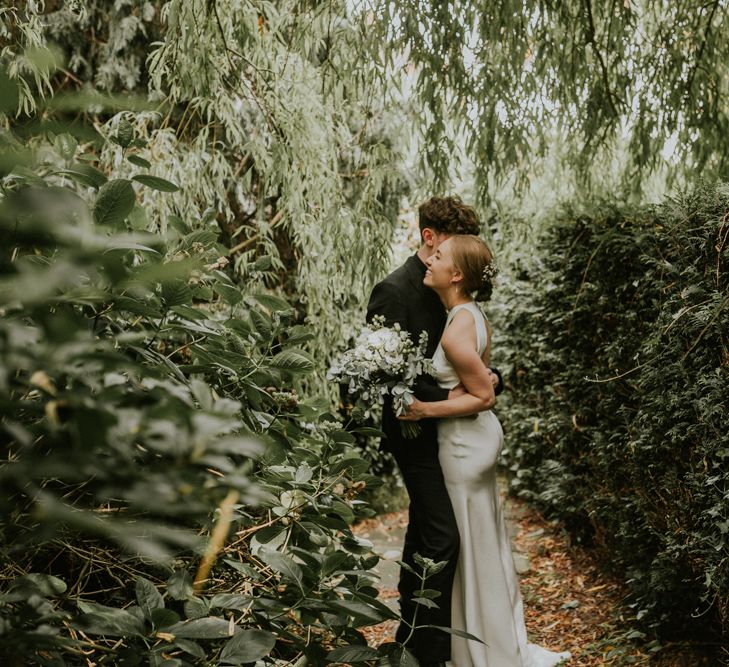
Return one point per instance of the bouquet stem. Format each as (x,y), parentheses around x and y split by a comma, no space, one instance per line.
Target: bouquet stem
(410,430)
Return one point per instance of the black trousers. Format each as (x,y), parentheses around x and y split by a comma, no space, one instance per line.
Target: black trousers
(433,533)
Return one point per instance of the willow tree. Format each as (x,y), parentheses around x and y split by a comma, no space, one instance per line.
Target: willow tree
(512,75)
(262,115)
(286,124)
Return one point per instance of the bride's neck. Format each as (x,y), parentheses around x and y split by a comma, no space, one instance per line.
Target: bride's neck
(451,298)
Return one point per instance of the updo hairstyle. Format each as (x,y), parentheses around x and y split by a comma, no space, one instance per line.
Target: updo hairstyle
(473,258)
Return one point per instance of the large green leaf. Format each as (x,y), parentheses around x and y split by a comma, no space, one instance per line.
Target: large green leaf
(148,597)
(66,144)
(231,601)
(210,627)
(124,134)
(8,92)
(247,646)
(96,177)
(262,323)
(139,161)
(298,334)
(156,183)
(458,633)
(80,177)
(352,654)
(293,360)
(109,621)
(190,647)
(273,302)
(396,655)
(114,202)
(283,564)
(362,612)
(48,585)
(176,293)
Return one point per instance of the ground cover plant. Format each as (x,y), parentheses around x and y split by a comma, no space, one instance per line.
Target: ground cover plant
(617,341)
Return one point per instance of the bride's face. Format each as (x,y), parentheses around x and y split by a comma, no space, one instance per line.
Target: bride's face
(441,270)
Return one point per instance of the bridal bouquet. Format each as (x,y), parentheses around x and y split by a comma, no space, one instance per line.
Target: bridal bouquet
(383,361)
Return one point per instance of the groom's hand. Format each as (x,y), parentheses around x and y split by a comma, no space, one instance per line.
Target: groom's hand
(458,390)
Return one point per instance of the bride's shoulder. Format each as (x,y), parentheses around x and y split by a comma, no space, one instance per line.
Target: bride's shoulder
(461,328)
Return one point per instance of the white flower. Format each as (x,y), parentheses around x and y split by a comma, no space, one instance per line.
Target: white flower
(383,361)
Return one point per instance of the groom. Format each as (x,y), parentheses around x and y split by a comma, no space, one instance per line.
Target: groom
(432,531)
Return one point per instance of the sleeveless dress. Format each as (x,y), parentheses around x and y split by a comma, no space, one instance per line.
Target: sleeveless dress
(486,598)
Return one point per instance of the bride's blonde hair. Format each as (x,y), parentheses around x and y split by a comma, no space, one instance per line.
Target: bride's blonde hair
(474,259)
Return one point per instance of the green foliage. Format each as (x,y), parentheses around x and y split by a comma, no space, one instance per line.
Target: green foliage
(616,342)
(264,120)
(148,417)
(512,79)
(289,123)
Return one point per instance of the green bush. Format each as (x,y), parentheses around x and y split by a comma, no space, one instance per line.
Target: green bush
(151,429)
(616,342)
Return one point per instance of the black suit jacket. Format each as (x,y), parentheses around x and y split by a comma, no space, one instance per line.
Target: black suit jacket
(403,299)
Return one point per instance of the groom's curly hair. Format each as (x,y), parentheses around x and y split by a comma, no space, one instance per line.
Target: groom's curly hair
(448,215)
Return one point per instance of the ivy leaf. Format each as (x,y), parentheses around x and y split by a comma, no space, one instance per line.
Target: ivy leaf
(156,183)
(248,646)
(148,597)
(139,161)
(114,202)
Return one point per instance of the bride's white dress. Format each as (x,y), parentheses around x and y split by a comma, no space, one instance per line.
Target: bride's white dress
(486,598)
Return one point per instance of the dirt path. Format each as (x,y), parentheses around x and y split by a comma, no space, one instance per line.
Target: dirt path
(569,603)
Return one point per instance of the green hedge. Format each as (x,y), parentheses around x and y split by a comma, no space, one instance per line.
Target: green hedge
(616,342)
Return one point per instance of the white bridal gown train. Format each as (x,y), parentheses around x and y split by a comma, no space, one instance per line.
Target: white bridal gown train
(486,598)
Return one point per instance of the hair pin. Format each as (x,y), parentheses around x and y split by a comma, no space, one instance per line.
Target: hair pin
(490,271)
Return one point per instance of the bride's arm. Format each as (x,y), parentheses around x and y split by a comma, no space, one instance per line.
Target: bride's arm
(459,345)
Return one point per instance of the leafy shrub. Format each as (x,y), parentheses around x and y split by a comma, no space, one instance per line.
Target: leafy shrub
(617,347)
(151,429)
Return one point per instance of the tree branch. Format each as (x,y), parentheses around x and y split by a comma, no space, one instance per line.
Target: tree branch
(707,32)
(603,67)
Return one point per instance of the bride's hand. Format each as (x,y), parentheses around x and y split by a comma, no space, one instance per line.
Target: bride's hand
(416,411)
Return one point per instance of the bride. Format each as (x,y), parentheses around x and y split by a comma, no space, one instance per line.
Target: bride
(486,600)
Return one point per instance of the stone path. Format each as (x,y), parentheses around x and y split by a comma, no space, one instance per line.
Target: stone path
(388,533)
(570,603)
